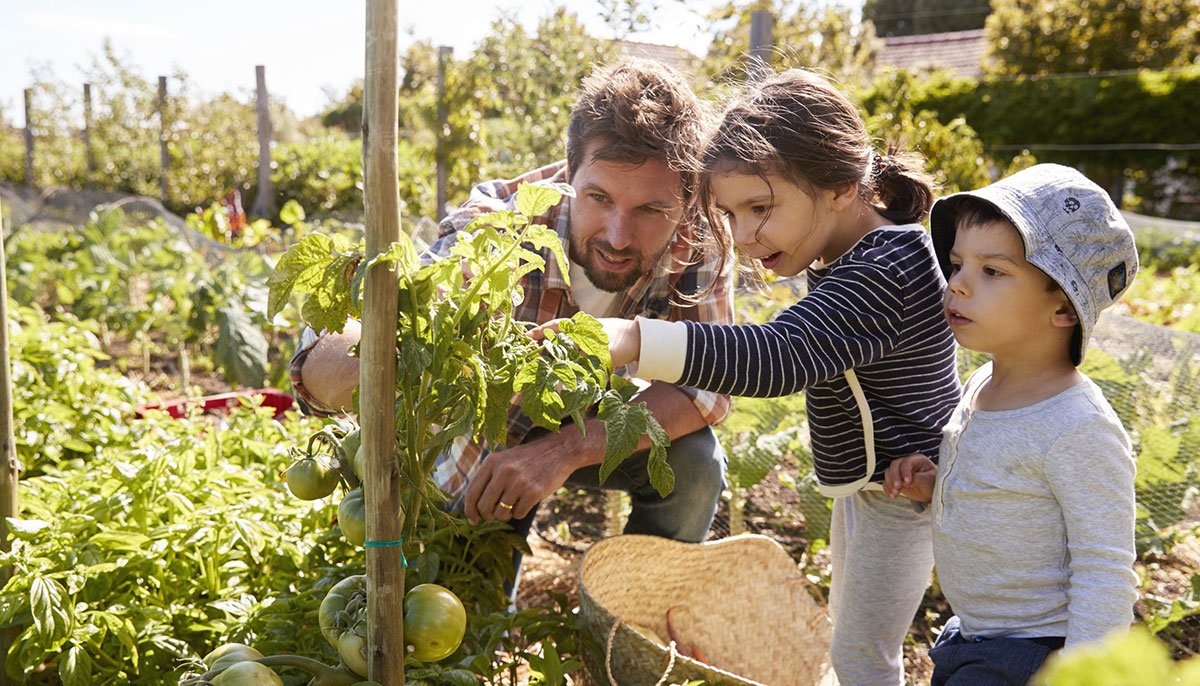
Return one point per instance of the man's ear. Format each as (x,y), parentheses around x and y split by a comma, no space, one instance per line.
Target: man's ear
(1065,315)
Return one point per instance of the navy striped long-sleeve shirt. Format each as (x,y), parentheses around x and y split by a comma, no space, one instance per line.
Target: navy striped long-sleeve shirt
(877,310)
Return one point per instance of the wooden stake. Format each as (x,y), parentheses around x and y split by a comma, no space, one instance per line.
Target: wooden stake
(761,44)
(29,138)
(377,371)
(163,157)
(444,56)
(8,468)
(264,199)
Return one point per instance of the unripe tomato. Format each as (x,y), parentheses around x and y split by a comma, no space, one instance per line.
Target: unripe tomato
(351,593)
(352,648)
(350,445)
(247,674)
(311,478)
(359,463)
(352,517)
(434,622)
(230,654)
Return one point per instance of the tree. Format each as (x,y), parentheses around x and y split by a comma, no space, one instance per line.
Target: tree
(826,39)
(1057,36)
(527,84)
(915,17)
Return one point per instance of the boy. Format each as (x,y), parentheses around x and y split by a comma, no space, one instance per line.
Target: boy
(1033,499)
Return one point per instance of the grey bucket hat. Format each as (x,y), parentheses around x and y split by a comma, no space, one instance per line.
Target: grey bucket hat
(1071,229)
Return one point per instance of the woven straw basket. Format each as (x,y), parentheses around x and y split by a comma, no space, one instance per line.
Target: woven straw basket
(740,601)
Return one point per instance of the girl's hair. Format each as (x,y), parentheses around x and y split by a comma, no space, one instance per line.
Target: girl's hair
(798,125)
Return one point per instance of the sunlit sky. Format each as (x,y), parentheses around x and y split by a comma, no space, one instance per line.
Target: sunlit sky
(309,48)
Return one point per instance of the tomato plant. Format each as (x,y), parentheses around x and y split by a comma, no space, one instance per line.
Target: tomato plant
(434,622)
(352,517)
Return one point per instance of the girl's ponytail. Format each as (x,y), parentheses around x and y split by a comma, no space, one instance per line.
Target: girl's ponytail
(902,186)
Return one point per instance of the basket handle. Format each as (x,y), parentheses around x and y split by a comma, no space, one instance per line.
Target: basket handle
(608,648)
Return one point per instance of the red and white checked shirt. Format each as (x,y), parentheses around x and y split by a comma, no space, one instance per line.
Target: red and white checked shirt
(656,296)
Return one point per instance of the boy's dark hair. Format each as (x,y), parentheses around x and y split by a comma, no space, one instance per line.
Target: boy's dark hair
(798,125)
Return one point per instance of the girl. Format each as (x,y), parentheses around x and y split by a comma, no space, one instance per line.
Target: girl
(790,170)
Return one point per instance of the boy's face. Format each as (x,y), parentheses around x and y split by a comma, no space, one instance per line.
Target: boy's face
(996,302)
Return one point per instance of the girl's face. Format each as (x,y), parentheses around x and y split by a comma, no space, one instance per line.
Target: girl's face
(775,221)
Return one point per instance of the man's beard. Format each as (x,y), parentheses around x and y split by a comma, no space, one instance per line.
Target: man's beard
(609,281)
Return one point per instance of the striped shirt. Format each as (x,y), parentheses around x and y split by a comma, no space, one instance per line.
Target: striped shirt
(876,310)
(657,295)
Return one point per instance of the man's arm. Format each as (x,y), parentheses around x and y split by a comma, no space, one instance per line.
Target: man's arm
(526,474)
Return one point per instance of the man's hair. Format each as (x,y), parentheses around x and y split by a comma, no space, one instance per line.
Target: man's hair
(638,110)
(975,213)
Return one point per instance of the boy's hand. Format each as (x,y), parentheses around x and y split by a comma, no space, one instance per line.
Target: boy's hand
(912,477)
(624,338)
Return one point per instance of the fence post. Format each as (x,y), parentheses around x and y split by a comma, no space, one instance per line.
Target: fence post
(29,138)
(264,200)
(761,44)
(377,372)
(8,468)
(164,159)
(444,53)
(87,134)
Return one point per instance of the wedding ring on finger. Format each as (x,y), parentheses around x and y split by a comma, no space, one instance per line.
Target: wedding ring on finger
(505,505)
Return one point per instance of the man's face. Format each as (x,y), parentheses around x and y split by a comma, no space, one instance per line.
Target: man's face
(623,218)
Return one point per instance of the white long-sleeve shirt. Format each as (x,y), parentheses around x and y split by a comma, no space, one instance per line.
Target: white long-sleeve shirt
(1033,517)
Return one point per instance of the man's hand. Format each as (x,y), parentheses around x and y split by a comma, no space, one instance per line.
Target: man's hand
(624,338)
(912,477)
(511,482)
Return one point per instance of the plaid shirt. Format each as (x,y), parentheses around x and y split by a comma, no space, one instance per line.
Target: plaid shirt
(547,297)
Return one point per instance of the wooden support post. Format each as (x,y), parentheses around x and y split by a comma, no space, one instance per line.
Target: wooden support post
(29,138)
(87,135)
(761,45)
(163,157)
(264,199)
(444,53)
(8,454)
(377,372)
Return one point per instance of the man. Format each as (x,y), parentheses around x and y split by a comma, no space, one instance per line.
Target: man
(636,248)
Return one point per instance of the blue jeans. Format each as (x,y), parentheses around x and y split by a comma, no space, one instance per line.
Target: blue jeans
(684,515)
(959,661)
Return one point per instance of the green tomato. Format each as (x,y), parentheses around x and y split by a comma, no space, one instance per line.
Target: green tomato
(230,654)
(434,622)
(247,674)
(352,517)
(344,606)
(350,445)
(359,463)
(311,478)
(352,648)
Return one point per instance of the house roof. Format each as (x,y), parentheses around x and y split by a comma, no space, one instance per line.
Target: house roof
(678,58)
(958,51)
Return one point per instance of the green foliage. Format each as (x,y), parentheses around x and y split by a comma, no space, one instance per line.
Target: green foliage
(1060,37)
(1134,659)
(526,83)
(134,280)
(324,174)
(1011,114)
(826,38)
(462,357)
(64,408)
(916,17)
(1167,298)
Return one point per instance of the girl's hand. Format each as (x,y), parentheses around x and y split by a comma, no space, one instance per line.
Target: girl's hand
(624,338)
(912,477)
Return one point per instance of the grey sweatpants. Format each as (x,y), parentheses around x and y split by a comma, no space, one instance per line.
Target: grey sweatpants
(882,559)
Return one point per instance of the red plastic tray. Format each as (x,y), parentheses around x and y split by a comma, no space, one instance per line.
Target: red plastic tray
(278,400)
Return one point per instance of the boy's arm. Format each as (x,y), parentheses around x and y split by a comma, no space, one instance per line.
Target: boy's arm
(1090,469)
